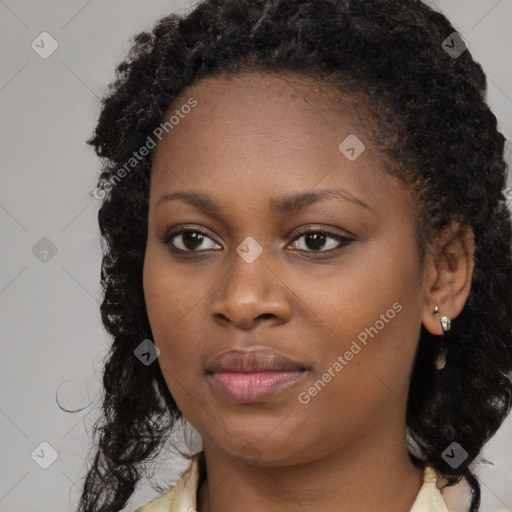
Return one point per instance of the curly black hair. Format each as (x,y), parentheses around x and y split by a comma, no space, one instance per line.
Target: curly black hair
(435,132)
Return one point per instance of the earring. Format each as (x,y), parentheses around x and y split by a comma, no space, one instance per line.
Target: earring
(445,324)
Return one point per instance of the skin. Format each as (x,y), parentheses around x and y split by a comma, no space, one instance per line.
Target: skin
(248,140)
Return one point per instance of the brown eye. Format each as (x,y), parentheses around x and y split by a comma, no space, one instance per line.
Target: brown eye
(316,240)
(190,240)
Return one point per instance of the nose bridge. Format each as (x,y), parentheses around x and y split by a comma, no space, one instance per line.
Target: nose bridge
(249,267)
(250,289)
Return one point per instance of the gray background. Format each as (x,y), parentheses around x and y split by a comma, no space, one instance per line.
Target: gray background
(52,339)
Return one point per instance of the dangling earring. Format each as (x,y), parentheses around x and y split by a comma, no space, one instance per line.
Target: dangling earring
(445,324)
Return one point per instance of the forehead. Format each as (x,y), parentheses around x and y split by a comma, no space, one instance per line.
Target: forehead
(299,97)
(255,134)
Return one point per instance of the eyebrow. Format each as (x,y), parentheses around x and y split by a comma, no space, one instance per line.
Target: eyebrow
(290,203)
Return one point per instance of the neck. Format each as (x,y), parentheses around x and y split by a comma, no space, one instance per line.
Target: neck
(372,473)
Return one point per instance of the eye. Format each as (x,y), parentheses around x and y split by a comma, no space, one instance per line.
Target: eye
(317,239)
(188,240)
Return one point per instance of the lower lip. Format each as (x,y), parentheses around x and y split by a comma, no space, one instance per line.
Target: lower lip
(254,386)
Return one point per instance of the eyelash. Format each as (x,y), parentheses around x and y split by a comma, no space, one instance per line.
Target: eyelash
(344,240)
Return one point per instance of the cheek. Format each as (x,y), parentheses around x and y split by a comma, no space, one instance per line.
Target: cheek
(171,292)
(173,300)
(370,318)
(359,382)
(375,290)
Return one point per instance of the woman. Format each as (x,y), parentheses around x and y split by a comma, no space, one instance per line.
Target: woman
(307,257)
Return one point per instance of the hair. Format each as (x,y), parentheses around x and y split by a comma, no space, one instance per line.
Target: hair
(435,132)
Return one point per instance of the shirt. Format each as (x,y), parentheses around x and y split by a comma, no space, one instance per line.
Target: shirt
(182,497)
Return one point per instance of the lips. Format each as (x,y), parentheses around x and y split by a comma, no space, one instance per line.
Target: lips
(252,361)
(253,376)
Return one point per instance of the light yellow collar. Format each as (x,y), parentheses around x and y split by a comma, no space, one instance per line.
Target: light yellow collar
(429,498)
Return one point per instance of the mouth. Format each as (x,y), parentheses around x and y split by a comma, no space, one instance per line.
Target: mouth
(253,376)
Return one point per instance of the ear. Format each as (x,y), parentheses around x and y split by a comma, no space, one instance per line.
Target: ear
(449,268)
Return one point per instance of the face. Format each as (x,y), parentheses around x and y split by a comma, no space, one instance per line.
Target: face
(331,280)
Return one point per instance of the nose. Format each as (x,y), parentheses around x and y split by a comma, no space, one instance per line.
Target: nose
(249,294)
